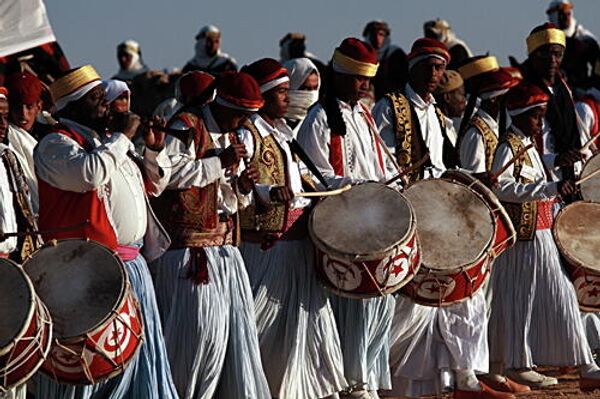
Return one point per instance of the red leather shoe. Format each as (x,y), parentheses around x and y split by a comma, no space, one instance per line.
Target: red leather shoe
(485,393)
(589,384)
(507,386)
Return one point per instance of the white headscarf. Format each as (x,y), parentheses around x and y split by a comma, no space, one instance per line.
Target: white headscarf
(300,100)
(137,66)
(553,17)
(114,89)
(203,60)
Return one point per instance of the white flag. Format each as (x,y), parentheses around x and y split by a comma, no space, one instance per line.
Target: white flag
(23,24)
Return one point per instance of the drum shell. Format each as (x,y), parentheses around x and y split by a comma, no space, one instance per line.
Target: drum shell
(30,347)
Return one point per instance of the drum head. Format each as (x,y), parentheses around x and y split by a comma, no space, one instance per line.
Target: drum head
(16,301)
(590,190)
(577,233)
(368,219)
(79,281)
(455,226)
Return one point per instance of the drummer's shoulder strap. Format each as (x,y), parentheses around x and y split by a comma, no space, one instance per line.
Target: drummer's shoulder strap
(404,133)
(523,215)
(490,140)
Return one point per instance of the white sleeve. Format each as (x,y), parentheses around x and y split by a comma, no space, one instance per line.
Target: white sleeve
(472,151)
(314,136)
(64,164)
(509,190)
(158,171)
(384,120)
(262,190)
(186,170)
(585,121)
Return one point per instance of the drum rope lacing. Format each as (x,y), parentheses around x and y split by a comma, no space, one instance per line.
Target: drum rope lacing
(35,344)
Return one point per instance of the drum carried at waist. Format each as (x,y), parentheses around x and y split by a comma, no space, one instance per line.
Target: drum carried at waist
(97,322)
(365,241)
(25,327)
(577,234)
(461,229)
(590,189)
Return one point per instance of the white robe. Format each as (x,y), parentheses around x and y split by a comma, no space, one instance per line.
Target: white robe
(535,315)
(23,143)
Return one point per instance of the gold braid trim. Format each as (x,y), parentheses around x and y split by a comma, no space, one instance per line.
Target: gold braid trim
(404,132)
(524,215)
(490,141)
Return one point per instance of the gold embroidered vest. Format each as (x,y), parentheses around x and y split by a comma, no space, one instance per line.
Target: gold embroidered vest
(490,140)
(269,159)
(523,215)
(410,147)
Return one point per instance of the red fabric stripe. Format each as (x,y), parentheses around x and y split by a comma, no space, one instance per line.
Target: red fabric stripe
(336,158)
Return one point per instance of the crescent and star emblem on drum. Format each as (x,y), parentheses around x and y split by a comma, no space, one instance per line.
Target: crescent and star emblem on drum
(343,275)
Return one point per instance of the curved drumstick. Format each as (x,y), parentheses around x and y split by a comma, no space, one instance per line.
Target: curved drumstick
(324,193)
(512,161)
(406,171)
(589,143)
(588,177)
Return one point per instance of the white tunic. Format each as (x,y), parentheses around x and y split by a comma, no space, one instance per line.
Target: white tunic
(23,143)
(430,128)
(8,218)
(472,146)
(586,116)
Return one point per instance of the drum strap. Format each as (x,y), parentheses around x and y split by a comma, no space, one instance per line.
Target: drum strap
(523,215)
(490,140)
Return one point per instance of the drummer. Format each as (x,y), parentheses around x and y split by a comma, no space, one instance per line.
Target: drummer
(536,319)
(293,313)
(90,187)
(428,341)
(339,135)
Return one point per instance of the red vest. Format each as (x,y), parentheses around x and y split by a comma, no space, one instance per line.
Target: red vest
(81,215)
(595,106)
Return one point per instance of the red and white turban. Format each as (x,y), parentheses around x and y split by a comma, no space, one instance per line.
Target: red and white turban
(239,91)
(268,72)
(355,57)
(425,48)
(525,97)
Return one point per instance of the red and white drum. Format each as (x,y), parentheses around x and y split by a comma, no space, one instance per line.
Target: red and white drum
(506,236)
(25,327)
(366,242)
(457,231)
(97,322)
(590,189)
(577,233)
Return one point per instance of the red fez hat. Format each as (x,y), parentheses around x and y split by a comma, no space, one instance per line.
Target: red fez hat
(3,93)
(196,84)
(355,57)
(239,90)
(268,73)
(24,88)
(485,78)
(525,96)
(425,48)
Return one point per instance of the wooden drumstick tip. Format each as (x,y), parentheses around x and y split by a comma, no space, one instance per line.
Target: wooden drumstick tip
(324,193)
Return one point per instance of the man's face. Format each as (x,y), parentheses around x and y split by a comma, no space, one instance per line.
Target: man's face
(232,119)
(546,61)
(212,43)
(311,83)
(427,74)
(125,59)
(93,107)
(121,104)
(3,119)
(351,88)
(531,122)
(379,38)
(23,115)
(565,18)
(277,101)
(455,102)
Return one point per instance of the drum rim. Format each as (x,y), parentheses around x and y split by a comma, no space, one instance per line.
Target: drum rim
(372,256)
(584,174)
(484,252)
(125,286)
(502,213)
(32,307)
(560,244)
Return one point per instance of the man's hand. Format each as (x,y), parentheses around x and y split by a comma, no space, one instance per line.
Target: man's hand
(281,194)
(486,178)
(568,158)
(232,155)
(247,179)
(154,135)
(567,188)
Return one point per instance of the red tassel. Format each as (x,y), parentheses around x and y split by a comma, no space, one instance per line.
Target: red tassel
(199,266)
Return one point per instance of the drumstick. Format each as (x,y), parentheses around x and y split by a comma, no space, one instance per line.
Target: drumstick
(324,193)
(589,143)
(512,161)
(414,167)
(387,151)
(588,177)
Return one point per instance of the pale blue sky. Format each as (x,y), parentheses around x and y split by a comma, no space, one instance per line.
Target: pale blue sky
(90,30)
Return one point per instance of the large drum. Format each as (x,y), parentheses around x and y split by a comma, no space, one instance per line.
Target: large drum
(97,322)
(590,189)
(457,232)
(506,236)
(366,242)
(25,327)
(577,233)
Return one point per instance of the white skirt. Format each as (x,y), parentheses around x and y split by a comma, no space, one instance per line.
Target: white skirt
(210,329)
(427,340)
(364,327)
(591,322)
(535,317)
(298,338)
